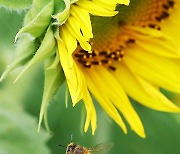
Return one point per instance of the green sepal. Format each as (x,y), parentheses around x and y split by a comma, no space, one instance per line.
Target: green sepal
(15,4)
(36,7)
(73,1)
(39,23)
(62,10)
(56,33)
(55,63)
(24,52)
(54,77)
(46,49)
(28,18)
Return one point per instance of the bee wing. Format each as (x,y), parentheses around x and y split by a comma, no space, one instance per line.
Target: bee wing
(102,147)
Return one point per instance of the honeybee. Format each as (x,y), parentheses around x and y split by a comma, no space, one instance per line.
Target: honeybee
(74,148)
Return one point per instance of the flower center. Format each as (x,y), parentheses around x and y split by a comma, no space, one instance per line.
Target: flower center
(153,13)
(111,37)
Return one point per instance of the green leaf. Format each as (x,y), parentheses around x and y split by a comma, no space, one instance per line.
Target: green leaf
(54,77)
(45,50)
(18,131)
(39,23)
(25,49)
(15,4)
(37,6)
(62,10)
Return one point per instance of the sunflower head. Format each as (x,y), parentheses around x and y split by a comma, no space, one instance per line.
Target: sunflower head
(112,50)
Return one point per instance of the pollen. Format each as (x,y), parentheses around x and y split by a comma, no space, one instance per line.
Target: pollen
(153,14)
(103,55)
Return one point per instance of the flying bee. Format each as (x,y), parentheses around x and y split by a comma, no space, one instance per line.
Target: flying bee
(74,148)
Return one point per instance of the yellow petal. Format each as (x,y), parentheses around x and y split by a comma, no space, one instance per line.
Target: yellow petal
(72,74)
(154,92)
(70,43)
(143,92)
(126,2)
(110,5)
(154,41)
(161,71)
(96,89)
(73,27)
(95,9)
(90,109)
(120,100)
(170,29)
(170,25)
(91,113)
(84,19)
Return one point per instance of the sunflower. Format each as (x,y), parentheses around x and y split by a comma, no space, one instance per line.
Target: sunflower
(77,33)
(134,53)
(111,50)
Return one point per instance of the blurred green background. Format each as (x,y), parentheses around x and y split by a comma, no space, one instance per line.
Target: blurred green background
(20,105)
